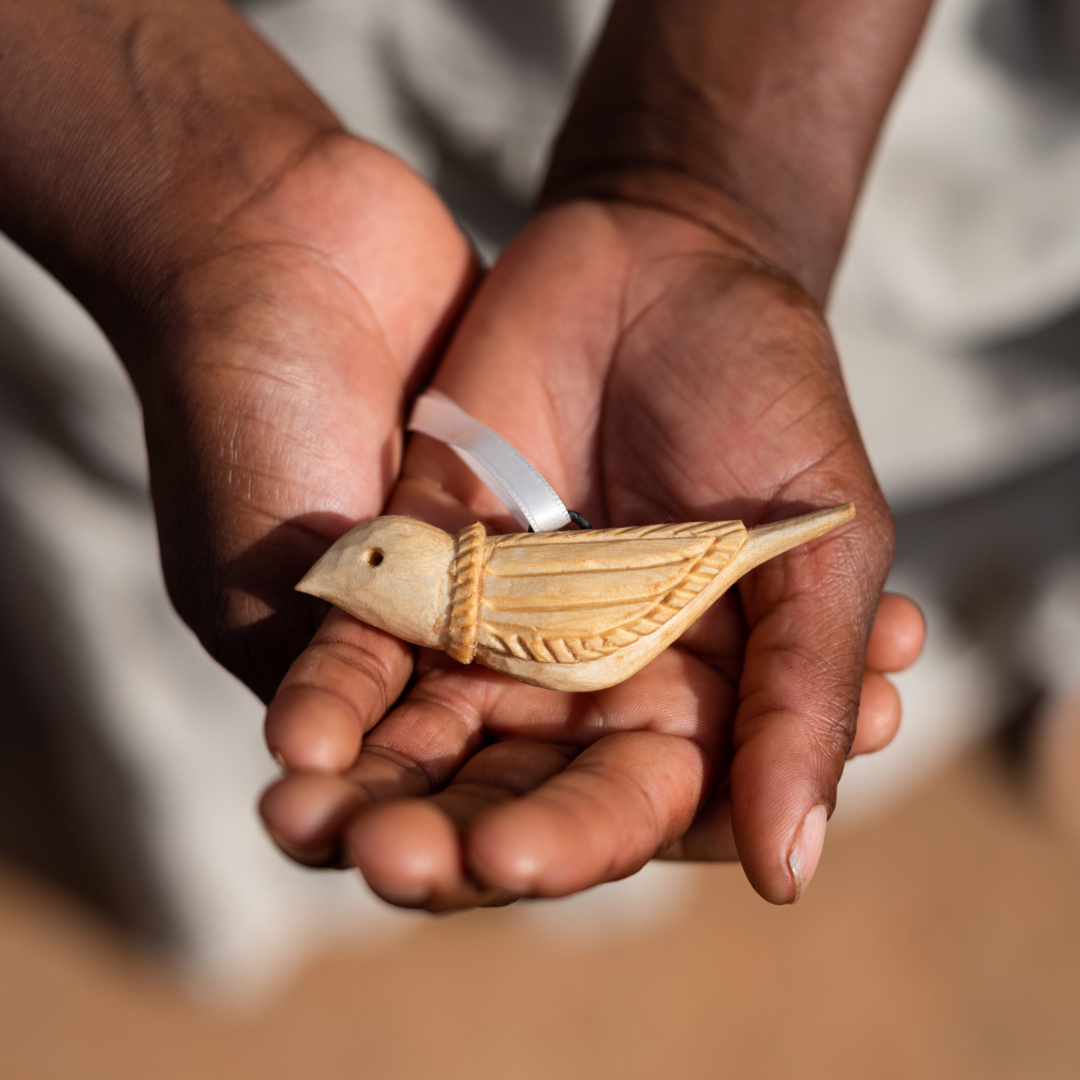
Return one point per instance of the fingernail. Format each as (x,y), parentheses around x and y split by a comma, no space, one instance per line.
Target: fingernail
(805,854)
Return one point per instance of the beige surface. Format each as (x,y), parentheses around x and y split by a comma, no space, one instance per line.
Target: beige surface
(942,941)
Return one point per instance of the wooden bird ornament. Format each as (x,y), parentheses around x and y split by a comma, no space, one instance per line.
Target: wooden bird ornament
(564,610)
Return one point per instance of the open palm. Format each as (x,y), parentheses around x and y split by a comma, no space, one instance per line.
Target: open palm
(653,371)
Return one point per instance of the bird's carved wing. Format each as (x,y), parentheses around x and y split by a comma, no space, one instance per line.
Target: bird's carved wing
(571,597)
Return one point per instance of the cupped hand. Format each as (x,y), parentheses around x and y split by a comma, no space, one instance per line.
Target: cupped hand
(281,364)
(653,371)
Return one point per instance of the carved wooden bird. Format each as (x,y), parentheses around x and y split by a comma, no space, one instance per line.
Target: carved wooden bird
(564,610)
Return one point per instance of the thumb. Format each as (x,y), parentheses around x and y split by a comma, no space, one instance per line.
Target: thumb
(810,614)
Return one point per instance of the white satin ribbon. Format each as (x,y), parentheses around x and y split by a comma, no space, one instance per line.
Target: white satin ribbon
(501,466)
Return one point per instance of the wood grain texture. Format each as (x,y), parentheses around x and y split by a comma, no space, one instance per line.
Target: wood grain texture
(564,610)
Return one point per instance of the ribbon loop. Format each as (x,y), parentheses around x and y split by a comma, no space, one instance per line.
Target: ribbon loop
(516,483)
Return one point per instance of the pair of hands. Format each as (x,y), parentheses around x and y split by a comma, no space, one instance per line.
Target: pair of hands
(652,370)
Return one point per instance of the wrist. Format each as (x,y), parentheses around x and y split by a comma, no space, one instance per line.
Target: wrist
(747,235)
(131,133)
(761,117)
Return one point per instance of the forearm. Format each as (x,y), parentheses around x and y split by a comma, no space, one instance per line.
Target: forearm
(758,117)
(130,131)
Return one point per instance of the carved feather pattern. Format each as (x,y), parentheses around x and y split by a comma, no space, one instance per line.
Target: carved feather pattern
(617,585)
(469,556)
(573,611)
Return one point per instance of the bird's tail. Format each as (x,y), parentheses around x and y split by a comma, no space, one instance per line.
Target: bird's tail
(767,541)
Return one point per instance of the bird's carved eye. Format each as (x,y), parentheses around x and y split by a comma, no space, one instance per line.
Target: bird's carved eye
(374,557)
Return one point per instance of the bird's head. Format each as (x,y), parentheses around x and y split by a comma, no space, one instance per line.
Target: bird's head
(393,573)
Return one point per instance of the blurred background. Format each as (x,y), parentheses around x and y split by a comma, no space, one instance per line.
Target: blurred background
(148,928)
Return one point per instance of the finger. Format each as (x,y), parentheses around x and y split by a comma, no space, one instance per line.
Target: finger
(710,838)
(339,688)
(879,715)
(413,752)
(614,807)
(897,636)
(429,737)
(304,813)
(810,613)
(410,850)
(675,694)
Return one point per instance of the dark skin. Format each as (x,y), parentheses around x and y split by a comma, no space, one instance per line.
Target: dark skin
(711,709)
(280,291)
